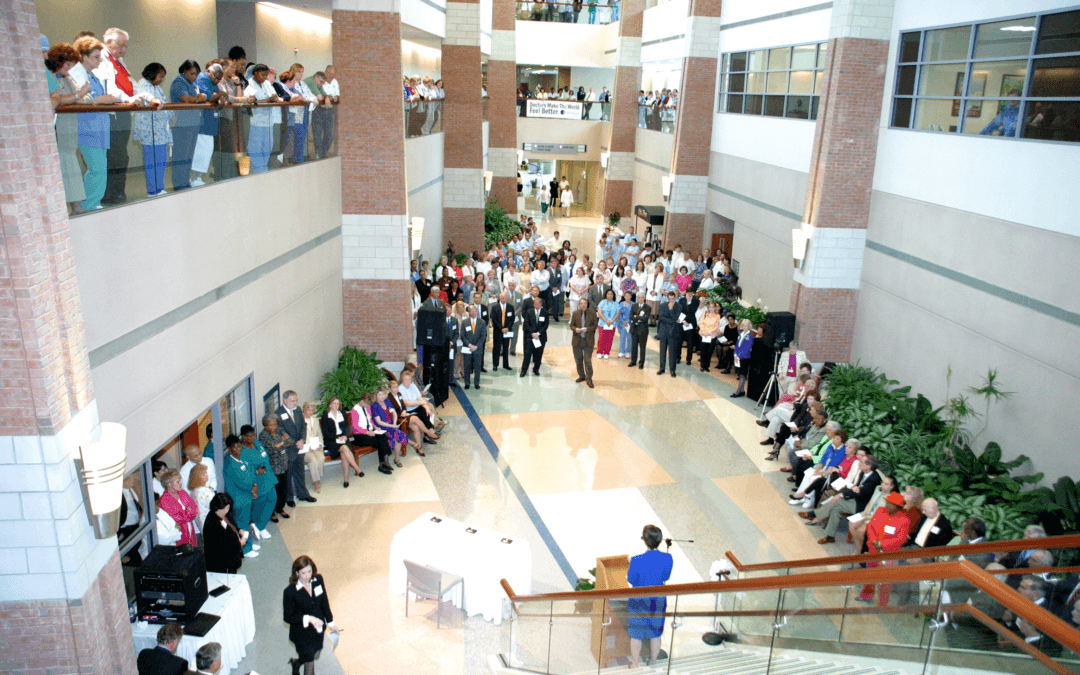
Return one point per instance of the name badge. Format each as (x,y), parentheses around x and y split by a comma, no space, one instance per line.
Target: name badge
(889,529)
(243,467)
(284,416)
(318,591)
(543,318)
(641,313)
(263,453)
(935,529)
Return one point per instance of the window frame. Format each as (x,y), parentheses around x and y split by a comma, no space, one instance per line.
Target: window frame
(813,98)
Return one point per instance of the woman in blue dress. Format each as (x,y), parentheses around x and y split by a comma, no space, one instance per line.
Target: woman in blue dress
(651,568)
(385,417)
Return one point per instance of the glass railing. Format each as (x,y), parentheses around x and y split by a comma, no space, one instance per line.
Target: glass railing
(606,11)
(181,146)
(916,620)
(423,118)
(555,109)
(656,118)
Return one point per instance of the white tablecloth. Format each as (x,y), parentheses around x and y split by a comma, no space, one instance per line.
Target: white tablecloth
(234,631)
(481,559)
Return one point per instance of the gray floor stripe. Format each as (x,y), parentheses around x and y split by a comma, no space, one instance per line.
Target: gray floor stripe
(781,15)
(1031,303)
(756,202)
(113,348)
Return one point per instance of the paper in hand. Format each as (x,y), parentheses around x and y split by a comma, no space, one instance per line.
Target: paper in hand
(857,518)
(840,484)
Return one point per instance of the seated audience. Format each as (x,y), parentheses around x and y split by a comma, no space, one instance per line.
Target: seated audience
(180,506)
(366,434)
(336,432)
(313,444)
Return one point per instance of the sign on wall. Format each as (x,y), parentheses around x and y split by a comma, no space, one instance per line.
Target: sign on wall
(558,148)
(567,110)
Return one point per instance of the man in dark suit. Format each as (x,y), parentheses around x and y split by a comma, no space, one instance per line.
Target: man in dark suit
(583,322)
(449,351)
(502,330)
(689,306)
(485,316)
(670,331)
(162,659)
(640,313)
(849,501)
(473,336)
(292,423)
(535,324)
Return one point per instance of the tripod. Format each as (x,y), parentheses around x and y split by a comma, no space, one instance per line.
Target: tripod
(773,382)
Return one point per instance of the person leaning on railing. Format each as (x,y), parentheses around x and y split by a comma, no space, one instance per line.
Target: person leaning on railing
(261,120)
(151,130)
(186,130)
(94,128)
(63,91)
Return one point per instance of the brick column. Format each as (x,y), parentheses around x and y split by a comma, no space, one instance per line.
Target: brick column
(62,600)
(684,222)
(376,289)
(619,183)
(463,120)
(502,106)
(825,293)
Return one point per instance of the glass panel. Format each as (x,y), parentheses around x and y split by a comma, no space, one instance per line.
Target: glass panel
(803,56)
(1053,121)
(947,44)
(909,47)
(941,80)
(991,118)
(571,636)
(734,103)
(687,650)
(997,78)
(801,82)
(1056,77)
(737,83)
(799,609)
(1059,33)
(814,107)
(798,107)
(902,113)
(774,106)
(738,61)
(823,51)
(725,64)
(777,83)
(753,105)
(934,115)
(755,83)
(819,81)
(780,59)
(530,636)
(905,80)
(756,60)
(422,118)
(1004,38)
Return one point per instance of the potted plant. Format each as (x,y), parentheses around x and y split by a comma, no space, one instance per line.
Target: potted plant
(613,219)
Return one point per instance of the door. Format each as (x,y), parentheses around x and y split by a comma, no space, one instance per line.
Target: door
(722,242)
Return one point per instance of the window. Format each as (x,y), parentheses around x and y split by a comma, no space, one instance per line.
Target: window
(1017,78)
(778,82)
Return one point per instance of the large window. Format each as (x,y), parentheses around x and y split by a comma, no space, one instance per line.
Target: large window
(778,82)
(1016,78)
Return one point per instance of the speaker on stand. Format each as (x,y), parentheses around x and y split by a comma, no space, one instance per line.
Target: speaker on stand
(779,329)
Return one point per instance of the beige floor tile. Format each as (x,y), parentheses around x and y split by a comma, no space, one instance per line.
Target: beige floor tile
(770,512)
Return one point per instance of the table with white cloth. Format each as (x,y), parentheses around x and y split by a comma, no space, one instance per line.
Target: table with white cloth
(482,559)
(233,631)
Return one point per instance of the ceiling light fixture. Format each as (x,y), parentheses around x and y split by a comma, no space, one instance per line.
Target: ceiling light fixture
(290,10)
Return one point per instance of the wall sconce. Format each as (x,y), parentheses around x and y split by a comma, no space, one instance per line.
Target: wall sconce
(800,239)
(665,186)
(416,225)
(101,475)
(488,175)
(521,156)
(604,156)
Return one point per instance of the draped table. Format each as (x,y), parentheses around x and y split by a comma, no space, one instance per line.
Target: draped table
(233,631)
(481,558)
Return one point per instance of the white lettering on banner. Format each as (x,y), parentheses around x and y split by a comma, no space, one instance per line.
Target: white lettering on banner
(570,110)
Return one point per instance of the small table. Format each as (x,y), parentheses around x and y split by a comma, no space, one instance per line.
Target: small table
(234,631)
(481,558)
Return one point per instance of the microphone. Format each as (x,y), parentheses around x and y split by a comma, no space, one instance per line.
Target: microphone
(669,542)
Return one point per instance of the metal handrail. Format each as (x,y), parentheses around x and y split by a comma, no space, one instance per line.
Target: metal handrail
(131,107)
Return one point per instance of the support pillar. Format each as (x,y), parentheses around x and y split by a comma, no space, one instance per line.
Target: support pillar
(376,288)
(61,590)
(502,107)
(619,183)
(825,291)
(463,125)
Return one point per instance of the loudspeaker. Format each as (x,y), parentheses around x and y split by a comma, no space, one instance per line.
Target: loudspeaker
(762,358)
(170,585)
(431,327)
(779,329)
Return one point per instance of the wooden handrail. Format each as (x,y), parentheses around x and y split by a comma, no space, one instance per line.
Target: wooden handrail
(132,108)
(1064,541)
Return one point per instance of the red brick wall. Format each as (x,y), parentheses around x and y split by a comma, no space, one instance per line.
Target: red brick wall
(502,104)
(693,131)
(88,636)
(378,317)
(463,108)
(464,228)
(503,191)
(503,15)
(624,109)
(630,17)
(685,229)
(619,196)
(825,320)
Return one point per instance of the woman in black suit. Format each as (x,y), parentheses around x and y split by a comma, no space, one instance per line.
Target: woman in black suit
(223,542)
(337,434)
(307,611)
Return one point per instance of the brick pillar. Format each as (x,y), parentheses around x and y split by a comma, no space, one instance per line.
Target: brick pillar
(825,293)
(684,223)
(62,600)
(376,289)
(619,183)
(502,106)
(463,143)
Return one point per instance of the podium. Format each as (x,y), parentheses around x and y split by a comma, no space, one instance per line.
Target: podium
(611,641)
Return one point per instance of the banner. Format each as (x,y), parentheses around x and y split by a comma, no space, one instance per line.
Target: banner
(568,110)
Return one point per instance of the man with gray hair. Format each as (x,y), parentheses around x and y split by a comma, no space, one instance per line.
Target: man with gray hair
(162,659)
(208,658)
(1017,559)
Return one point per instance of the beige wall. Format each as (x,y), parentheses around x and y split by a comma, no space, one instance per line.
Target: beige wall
(418,59)
(278,33)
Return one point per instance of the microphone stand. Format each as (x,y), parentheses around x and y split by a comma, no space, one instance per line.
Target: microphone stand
(669,542)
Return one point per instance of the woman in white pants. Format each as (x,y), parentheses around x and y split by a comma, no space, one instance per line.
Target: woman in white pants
(566,199)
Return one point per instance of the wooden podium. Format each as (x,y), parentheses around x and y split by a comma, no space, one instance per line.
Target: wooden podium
(612,641)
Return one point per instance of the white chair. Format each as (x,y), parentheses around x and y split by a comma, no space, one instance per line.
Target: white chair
(430,584)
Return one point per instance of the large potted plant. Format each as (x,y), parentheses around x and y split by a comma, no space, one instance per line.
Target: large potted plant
(358,372)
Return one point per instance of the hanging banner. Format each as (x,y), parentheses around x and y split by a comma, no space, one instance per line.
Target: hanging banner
(567,110)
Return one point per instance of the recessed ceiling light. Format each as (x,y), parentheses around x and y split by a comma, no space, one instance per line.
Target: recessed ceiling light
(1019,29)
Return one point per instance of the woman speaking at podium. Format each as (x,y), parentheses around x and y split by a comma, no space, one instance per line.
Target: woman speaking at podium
(651,568)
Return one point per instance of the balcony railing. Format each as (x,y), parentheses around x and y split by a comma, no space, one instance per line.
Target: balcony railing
(656,118)
(603,12)
(594,111)
(182,145)
(423,118)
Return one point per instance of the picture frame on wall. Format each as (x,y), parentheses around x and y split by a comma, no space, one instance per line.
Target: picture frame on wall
(1011,85)
(977,88)
(272,400)
(957,92)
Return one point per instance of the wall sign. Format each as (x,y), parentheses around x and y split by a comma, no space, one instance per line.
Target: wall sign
(567,110)
(557,148)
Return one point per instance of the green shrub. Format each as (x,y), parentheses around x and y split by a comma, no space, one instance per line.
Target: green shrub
(498,225)
(357,373)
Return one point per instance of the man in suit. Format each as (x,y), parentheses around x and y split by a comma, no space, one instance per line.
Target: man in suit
(583,322)
(849,501)
(640,313)
(485,316)
(473,336)
(535,321)
(502,330)
(515,298)
(451,346)
(597,293)
(434,301)
(162,659)
(208,659)
(292,423)
(689,306)
(670,331)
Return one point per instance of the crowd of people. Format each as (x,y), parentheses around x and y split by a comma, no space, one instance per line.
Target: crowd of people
(588,98)
(208,144)
(568,12)
(656,109)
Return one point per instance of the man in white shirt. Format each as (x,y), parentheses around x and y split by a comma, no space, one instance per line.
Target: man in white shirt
(589,99)
(541,278)
(259,138)
(194,455)
(332,89)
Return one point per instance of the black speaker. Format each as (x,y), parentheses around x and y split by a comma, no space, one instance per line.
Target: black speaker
(762,358)
(170,585)
(431,327)
(779,329)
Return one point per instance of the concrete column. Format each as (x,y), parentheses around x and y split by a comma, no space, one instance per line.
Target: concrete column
(502,106)
(376,288)
(619,183)
(463,125)
(825,293)
(684,223)
(61,590)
